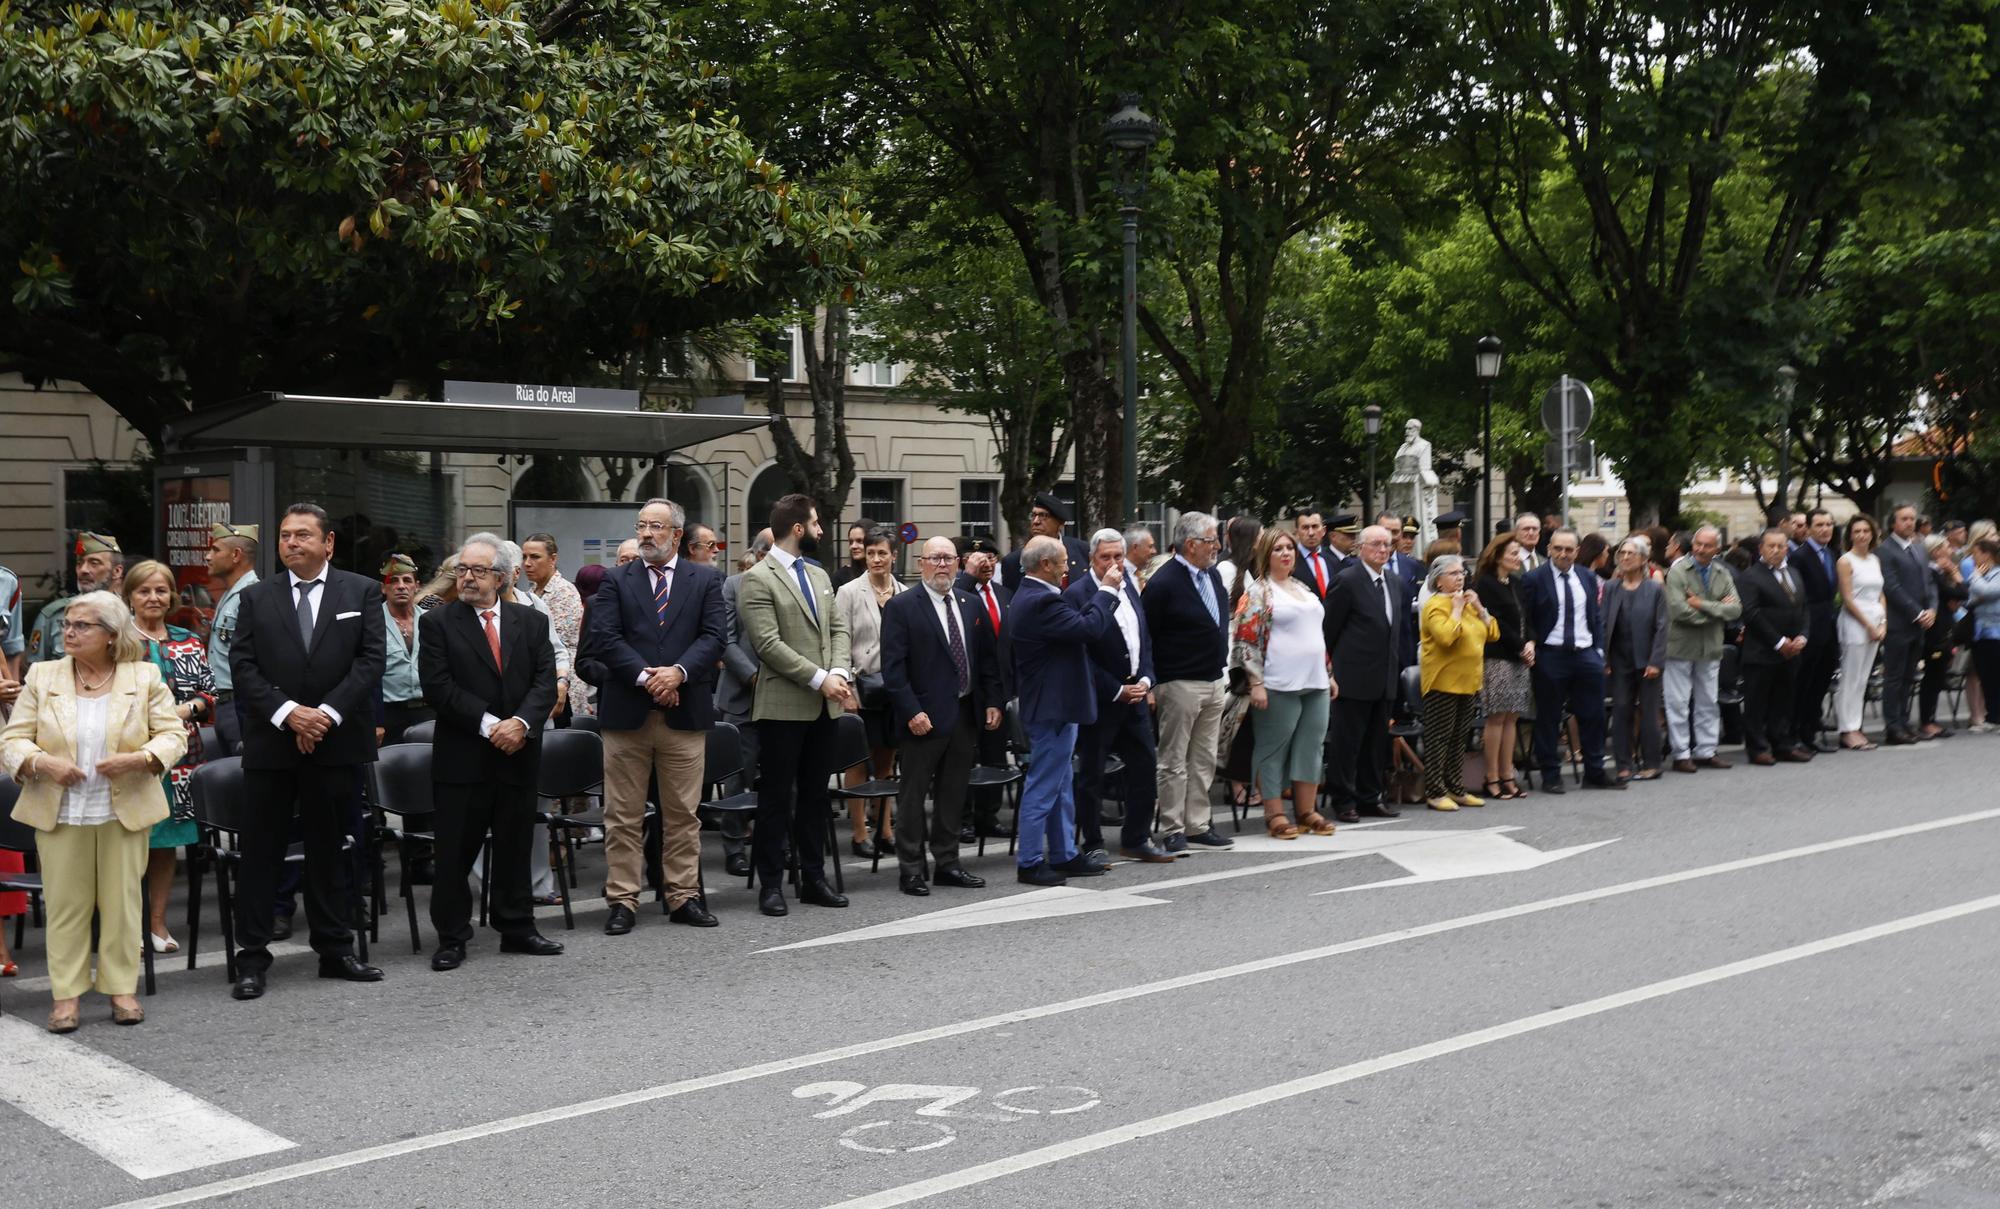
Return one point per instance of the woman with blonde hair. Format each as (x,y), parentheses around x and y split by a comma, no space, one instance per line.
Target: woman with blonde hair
(150,592)
(91,737)
(1278,643)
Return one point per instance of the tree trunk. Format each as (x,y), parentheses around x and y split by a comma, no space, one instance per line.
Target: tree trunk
(826,474)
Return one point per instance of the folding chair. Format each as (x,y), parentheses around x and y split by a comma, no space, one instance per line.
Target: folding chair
(572,766)
(1008,778)
(722,762)
(19,837)
(850,748)
(421,732)
(1406,736)
(401,789)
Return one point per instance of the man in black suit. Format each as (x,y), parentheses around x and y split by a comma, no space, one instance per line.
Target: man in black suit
(487,668)
(1909,596)
(1775,634)
(941,667)
(1812,563)
(658,627)
(1316,567)
(979,579)
(1121,666)
(1046,519)
(307,666)
(1560,614)
(1366,612)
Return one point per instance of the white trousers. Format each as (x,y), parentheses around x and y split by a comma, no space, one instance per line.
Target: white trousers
(1694,720)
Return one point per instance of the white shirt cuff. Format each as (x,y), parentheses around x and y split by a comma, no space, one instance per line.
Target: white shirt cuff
(486,724)
(643,677)
(330,712)
(819,678)
(1105,587)
(284,712)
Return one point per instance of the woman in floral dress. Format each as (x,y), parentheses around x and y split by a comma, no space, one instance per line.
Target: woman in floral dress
(182,658)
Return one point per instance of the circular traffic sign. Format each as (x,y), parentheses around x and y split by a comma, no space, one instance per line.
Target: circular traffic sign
(1577,401)
(909,532)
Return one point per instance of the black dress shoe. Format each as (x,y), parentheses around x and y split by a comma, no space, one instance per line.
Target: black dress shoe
(281,927)
(534,944)
(1798,755)
(955,875)
(250,986)
(1147,853)
(1551,785)
(1078,866)
(692,913)
(448,957)
(866,850)
(1096,856)
(1346,816)
(423,871)
(620,921)
(997,831)
(966,835)
(771,901)
(737,865)
(1039,875)
(1380,810)
(913,884)
(1603,783)
(819,894)
(348,968)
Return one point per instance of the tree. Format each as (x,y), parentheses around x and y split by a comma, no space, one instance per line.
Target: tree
(826,471)
(203,204)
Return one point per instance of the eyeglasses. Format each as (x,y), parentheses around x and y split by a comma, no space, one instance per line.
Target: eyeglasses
(1204,541)
(938,560)
(77,627)
(476,572)
(653,527)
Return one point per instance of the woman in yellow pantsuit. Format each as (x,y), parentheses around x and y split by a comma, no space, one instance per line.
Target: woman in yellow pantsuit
(90,737)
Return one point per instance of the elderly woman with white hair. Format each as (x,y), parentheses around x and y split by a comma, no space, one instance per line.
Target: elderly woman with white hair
(1455,629)
(1635,652)
(90,739)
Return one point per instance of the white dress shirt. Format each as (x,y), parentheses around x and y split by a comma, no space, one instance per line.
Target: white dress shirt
(1128,626)
(1577,588)
(785,560)
(487,721)
(313,604)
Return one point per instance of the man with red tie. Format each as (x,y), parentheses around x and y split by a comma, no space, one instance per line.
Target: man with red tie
(979,580)
(1316,565)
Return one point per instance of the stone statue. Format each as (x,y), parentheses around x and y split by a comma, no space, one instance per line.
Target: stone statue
(1413,485)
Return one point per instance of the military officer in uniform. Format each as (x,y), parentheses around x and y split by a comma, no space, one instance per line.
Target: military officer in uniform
(100,564)
(232,563)
(12,641)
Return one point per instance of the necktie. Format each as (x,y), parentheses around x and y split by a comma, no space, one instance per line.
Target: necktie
(492,636)
(661,584)
(805,586)
(1569,611)
(1207,591)
(1388,611)
(1785,578)
(958,659)
(1826,560)
(1319,571)
(1704,576)
(992,607)
(306,613)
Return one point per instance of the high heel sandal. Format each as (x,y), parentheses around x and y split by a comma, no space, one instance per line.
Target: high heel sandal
(1280,827)
(1315,822)
(1496,790)
(1514,789)
(8,969)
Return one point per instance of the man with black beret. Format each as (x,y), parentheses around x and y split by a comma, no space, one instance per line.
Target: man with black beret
(1047,518)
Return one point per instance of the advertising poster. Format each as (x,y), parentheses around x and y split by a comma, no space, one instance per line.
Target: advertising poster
(190,506)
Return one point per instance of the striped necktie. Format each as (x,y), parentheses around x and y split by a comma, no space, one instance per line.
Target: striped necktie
(662,578)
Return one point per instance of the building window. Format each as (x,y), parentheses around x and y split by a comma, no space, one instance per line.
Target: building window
(784,371)
(882,504)
(978,507)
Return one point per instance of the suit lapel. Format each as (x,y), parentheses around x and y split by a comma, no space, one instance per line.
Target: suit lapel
(466,618)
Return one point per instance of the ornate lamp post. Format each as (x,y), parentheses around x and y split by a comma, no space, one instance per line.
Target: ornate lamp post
(1486,364)
(1371,421)
(1131,133)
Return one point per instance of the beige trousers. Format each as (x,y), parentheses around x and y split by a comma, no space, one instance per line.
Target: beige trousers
(1190,713)
(630,758)
(89,871)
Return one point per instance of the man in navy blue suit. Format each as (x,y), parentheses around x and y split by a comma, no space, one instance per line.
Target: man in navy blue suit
(1812,563)
(1559,608)
(659,628)
(1121,667)
(942,672)
(1051,636)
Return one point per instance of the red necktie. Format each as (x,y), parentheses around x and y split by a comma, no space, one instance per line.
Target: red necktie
(492,636)
(1319,572)
(992,608)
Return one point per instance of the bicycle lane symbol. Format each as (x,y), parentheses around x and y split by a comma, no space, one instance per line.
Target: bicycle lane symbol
(924,1130)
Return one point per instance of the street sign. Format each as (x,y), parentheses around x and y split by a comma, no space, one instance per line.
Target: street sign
(1582,456)
(1567,406)
(909,532)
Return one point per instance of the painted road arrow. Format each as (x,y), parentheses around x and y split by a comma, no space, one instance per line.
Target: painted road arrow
(1427,856)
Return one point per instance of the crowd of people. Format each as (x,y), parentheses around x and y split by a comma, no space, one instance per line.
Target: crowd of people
(1289,665)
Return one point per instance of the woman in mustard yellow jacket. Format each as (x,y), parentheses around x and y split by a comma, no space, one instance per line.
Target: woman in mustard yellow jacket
(1455,630)
(90,737)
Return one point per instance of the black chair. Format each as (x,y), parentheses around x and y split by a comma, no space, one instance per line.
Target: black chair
(1406,724)
(722,762)
(587,722)
(421,732)
(1007,778)
(850,751)
(572,766)
(19,837)
(211,743)
(401,789)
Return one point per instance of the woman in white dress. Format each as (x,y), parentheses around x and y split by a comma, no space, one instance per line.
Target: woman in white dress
(1863,621)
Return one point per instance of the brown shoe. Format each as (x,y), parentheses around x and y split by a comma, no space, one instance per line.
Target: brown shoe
(1763,759)
(1686,766)
(135,1014)
(1714,762)
(1795,756)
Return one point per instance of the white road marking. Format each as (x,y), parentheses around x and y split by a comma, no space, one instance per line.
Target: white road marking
(1044,1156)
(1428,856)
(665,1091)
(147,1126)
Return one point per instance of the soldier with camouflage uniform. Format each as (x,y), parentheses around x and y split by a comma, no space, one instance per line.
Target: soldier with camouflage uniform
(100,564)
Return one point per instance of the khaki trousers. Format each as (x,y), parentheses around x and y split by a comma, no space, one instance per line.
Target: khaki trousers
(1190,713)
(89,871)
(631,758)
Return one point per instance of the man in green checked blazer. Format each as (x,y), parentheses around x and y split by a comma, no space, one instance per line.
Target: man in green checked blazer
(785,606)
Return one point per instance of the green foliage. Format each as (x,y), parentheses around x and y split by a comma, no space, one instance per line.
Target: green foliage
(203,200)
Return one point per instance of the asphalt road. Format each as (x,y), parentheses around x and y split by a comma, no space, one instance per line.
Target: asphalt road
(1768,987)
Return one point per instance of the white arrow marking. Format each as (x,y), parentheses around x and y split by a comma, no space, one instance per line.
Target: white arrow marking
(1427,855)
(145,1125)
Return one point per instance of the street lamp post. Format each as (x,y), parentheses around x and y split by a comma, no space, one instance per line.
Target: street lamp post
(1788,385)
(1131,133)
(1486,364)
(1371,421)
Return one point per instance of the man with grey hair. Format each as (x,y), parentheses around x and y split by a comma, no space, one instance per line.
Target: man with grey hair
(1122,676)
(1187,613)
(1366,611)
(1701,598)
(1139,551)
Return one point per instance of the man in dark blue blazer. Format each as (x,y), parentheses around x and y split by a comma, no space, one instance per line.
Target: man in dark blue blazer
(1812,562)
(942,671)
(1051,640)
(1366,610)
(659,627)
(1559,614)
(980,579)
(1406,566)
(1121,666)
(1187,611)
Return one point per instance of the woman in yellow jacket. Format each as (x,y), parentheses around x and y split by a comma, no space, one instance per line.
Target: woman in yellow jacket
(90,737)
(1455,630)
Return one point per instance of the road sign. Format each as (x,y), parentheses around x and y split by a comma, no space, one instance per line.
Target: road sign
(1567,406)
(909,532)
(1582,456)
